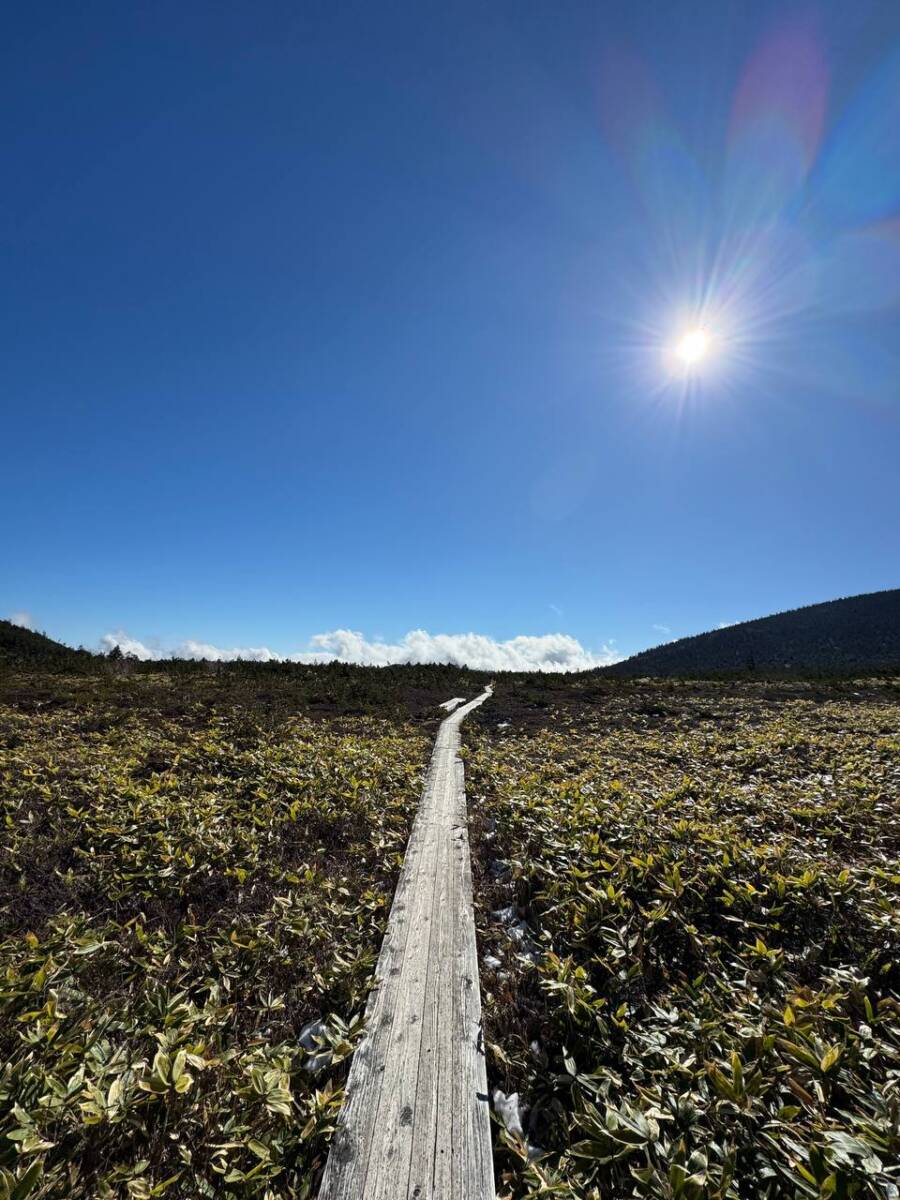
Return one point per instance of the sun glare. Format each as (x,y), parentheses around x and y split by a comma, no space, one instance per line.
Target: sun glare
(693,347)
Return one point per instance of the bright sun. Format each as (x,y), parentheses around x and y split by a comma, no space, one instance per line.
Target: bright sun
(693,346)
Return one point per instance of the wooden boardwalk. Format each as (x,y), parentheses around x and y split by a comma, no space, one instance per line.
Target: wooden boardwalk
(415,1124)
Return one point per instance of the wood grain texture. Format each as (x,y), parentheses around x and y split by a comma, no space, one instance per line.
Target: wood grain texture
(415,1123)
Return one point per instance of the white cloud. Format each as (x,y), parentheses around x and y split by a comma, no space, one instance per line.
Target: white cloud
(661,628)
(186,649)
(128,645)
(192,649)
(23,619)
(549,652)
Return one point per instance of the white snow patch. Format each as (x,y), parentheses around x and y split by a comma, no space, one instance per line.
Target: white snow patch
(507,1109)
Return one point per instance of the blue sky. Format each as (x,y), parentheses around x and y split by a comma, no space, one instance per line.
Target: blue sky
(357,317)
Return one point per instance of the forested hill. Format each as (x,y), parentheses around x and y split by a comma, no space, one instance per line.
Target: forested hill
(860,633)
(24,648)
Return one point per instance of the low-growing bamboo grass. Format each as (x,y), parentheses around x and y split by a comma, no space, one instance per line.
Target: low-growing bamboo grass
(711,876)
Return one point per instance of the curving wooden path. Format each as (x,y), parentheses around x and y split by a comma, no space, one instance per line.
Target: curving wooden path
(415,1124)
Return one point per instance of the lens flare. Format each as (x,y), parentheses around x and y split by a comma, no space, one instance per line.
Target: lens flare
(741,257)
(693,347)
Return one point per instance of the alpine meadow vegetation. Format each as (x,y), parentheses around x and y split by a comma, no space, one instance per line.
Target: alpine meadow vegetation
(687,893)
(690,927)
(192,906)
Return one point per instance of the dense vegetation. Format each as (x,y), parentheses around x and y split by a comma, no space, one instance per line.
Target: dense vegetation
(693,984)
(856,635)
(690,929)
(25,649)
(186,883)
(36,669)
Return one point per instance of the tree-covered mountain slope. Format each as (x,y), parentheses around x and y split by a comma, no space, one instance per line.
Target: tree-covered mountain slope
(859,633)
(21,647)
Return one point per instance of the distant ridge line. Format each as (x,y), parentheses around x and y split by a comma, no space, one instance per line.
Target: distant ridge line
(854,633)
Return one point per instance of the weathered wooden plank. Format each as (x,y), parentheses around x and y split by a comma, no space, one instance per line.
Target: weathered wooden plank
(469,1074)
(415,1123)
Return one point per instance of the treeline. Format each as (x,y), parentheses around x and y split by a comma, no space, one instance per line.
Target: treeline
(841,638)
(37,671)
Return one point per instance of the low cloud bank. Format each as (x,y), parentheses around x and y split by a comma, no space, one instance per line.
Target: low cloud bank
(198,650)
(186,649)
(549,652)
(128,645)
